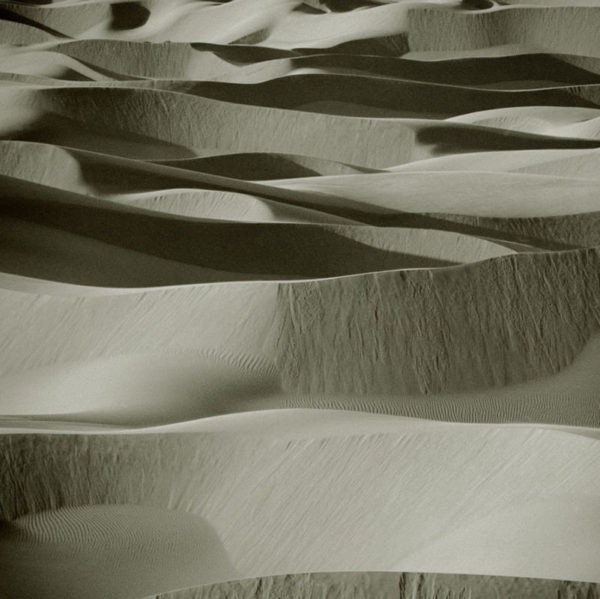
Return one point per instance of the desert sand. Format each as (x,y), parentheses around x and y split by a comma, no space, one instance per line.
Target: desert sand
(300,299)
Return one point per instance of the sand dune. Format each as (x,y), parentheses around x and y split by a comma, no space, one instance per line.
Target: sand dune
(130,390)
(151,124)
(42,222)
(49,64)
(384,97)
(252,64)
(564,163)
(300,340)
(299,299)
(254,167)
(17,32)
(503,195)
(151,548)
(554,121)
(516,72)
(225,205)
(565,29)
(381,585)
(417,534)
(168,60)
(401,366)
(559,232)
(138,182)
(272,22)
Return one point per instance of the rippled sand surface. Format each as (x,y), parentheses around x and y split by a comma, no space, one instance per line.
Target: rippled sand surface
(300,299)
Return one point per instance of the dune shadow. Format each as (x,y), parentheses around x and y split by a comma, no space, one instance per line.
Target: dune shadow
(137,550)
(9,15)
(448,138)
(128,15)
(53,128)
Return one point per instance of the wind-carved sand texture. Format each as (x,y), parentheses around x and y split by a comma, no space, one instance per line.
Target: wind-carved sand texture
(300,299)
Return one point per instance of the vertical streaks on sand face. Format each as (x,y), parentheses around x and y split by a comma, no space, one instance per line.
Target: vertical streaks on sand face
(148,116)
(423,242)
(488,324)
(387,585)
(558,29)
(376,501)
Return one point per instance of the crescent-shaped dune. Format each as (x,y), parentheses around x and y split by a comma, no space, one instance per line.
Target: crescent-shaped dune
(299,299)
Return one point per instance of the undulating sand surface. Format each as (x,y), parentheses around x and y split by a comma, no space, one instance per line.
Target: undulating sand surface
(300,299)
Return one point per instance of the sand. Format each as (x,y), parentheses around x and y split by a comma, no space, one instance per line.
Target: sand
(299,494)
(381,585)
(299,299)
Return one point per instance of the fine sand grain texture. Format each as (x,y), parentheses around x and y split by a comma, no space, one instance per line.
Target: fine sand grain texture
(300,299)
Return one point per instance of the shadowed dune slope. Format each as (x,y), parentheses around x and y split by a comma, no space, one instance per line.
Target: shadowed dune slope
(273,22)
(245,64)
(168,60)
(563,29)
(444,505)
(457,325)
(576,230)
(369,96)
(54,65)
(299,299)
(514,72)
(203,380)
(141,184)
(19,32)
(153,124)
(41,222)
(134,550)
(464,316)
(382,585)
(261,166)
(94,173)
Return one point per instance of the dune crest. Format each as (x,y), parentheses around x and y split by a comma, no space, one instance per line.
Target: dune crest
(299,299)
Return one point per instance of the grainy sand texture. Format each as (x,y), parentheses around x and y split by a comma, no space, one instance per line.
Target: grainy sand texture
(300,299)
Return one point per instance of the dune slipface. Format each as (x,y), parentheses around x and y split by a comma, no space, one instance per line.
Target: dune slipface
(300,299)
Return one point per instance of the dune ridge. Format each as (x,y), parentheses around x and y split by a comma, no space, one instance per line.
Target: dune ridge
(381,585)
(139,477)
(299,299)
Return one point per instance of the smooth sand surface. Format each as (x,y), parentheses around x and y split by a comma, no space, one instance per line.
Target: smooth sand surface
(300,299)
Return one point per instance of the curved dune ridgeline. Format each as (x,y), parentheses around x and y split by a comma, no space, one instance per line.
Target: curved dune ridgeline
(299,299)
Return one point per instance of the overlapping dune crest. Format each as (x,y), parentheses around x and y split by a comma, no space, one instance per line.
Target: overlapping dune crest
(299,298)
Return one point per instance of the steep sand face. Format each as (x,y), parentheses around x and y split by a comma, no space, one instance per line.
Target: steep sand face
(152,124)
(54,220)
(303,344)
(314,502)
(299,299)
(563,29)
(431,331)
(386,97)
(381,585)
